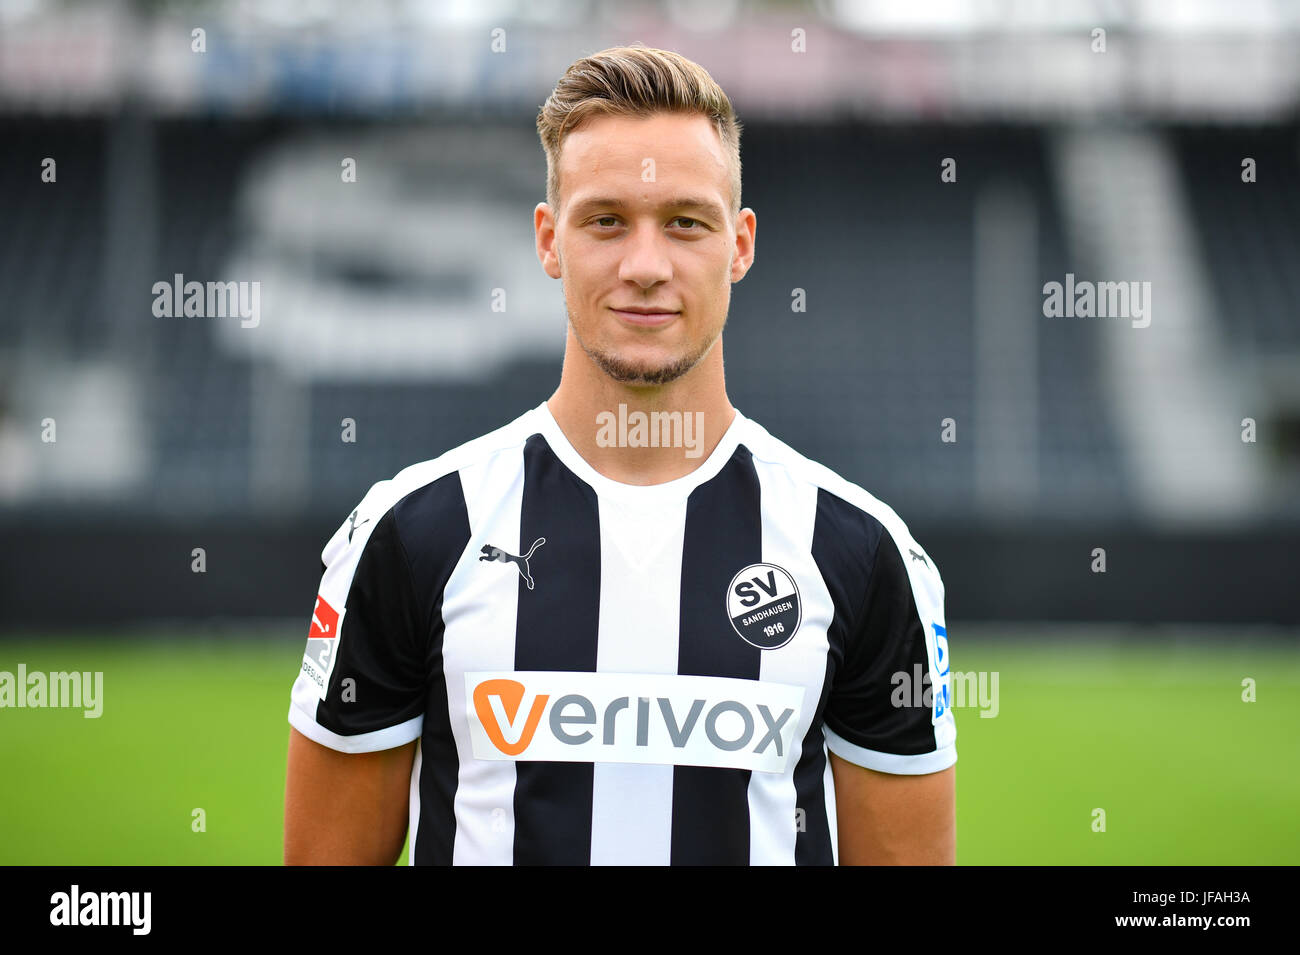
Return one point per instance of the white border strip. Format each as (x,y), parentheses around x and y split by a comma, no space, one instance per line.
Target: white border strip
(387,738)
(915,765)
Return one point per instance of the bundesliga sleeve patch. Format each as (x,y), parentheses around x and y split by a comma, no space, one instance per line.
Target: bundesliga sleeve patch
(322,645)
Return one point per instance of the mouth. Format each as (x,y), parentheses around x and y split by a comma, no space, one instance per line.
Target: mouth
(644,318)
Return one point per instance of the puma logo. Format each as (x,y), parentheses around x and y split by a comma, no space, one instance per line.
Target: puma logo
(496,553)
(353,525)
(920,557)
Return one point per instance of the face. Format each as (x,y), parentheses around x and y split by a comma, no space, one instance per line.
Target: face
(645,243)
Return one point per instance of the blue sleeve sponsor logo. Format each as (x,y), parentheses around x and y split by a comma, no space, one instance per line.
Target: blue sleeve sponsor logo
(942,700)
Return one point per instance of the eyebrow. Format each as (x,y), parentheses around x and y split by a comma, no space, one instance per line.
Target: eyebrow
(710,206)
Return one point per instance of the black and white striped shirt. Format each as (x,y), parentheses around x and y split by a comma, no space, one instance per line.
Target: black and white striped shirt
(602,673)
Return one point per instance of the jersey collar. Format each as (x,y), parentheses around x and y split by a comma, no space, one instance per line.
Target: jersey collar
(675,489)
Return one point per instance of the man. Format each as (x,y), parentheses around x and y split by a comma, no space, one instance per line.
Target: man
(630,627)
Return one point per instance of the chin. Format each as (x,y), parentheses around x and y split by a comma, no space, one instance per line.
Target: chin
(637,370)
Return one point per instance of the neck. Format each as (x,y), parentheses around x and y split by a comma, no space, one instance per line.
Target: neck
(660,432)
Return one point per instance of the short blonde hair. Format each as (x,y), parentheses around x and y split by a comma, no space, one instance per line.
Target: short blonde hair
(634,80)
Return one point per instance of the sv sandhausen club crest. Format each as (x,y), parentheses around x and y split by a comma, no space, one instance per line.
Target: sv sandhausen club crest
(763,605)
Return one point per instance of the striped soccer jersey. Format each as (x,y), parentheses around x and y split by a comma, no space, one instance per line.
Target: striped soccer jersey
(603,673)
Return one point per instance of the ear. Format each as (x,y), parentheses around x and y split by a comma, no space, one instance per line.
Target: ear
(548,252)
(746,231)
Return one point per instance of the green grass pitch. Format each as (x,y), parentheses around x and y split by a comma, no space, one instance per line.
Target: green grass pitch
(1156,735)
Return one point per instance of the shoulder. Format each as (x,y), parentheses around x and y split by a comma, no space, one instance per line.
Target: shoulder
(430,484)
(856,515)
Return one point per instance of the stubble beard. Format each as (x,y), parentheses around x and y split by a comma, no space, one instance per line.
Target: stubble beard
(632,373)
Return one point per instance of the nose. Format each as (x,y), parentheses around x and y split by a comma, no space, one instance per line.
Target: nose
(645,257)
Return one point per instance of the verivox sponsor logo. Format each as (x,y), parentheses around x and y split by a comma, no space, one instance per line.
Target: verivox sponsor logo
(632,718)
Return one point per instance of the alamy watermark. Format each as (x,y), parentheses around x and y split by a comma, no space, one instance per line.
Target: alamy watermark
(978,688)
(58,689)
(1098,300)
(76,907)
(181,299)
(654,429)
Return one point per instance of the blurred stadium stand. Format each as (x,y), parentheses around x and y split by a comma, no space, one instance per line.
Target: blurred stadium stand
(924,299)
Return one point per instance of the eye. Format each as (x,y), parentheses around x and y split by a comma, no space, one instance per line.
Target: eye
(599,219)
(686,219)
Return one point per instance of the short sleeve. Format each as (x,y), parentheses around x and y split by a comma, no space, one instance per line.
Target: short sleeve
(362,685)
(890,703)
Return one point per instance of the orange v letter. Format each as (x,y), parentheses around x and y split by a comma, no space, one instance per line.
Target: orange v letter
(512,694)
